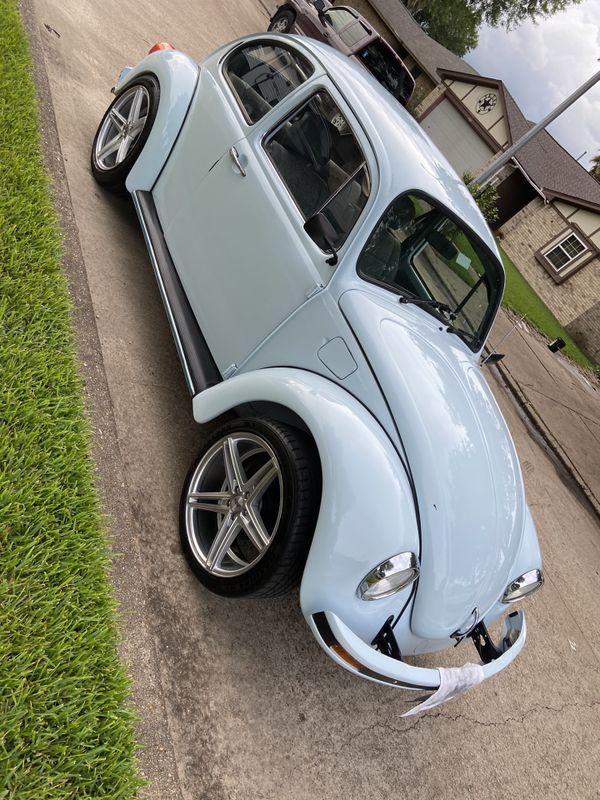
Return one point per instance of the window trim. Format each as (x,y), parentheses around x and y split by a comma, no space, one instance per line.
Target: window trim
(363,165)
(591,252)
(474,345)
(272,43)
(582,254)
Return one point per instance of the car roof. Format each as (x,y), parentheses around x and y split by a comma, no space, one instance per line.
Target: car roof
(407,157)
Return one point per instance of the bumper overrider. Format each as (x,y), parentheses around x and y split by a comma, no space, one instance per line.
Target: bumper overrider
(438,684)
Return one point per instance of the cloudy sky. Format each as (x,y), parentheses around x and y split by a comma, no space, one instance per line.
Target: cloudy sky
(543,63)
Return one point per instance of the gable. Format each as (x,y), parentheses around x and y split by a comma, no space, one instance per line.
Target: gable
(486,104)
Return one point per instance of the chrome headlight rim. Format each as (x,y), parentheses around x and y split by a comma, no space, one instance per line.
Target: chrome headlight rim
(523,586)
(395,573)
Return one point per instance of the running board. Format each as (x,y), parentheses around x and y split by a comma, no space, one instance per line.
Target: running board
(199,367)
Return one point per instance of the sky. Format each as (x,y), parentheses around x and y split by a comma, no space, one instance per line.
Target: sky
(542,63)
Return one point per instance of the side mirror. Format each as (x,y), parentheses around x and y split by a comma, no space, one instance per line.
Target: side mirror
(442,245)
(323,234)
(493,358)
(320,7)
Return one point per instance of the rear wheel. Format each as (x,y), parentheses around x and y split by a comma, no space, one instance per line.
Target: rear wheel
(282,22)
(123,131)
(248,508)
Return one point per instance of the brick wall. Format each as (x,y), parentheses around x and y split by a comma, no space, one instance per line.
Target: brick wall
(576,302)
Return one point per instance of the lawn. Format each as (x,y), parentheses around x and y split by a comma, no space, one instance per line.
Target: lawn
(520,298)
(65,727)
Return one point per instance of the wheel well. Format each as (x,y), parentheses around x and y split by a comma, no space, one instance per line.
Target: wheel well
(274,411)
(284,8)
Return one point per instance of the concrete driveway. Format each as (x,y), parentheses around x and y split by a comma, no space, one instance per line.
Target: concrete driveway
(236,699)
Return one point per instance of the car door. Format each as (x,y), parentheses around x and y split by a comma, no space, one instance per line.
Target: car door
(242,261)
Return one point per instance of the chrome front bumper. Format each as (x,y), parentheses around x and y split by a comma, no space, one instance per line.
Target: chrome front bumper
(353,654)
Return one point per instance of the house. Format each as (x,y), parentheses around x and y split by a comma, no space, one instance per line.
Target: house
(549,205)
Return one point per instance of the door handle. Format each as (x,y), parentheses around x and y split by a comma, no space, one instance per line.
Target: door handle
(235,157)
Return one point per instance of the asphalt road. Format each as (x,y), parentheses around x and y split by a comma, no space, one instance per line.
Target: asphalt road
(236,699)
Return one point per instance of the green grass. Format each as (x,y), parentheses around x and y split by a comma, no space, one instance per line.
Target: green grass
(521,298)
(65,727)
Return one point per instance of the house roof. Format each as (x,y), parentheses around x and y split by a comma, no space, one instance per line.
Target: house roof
(547,163)
(431,55)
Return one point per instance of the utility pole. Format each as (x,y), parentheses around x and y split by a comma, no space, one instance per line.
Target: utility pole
(505,157)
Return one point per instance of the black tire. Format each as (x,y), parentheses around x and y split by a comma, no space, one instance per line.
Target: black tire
(283,16)
(113,177)
(279,568)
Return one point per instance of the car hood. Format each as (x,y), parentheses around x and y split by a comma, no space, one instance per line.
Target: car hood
(466,472)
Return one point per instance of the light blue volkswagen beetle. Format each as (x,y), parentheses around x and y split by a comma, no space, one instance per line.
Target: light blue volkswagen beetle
(330,284)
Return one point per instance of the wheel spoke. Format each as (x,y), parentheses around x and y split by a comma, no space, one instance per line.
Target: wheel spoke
(123,149)
(137,126)
(118,119)
(208,501)
(226,536)
(260,481)
(255,529)
(109,147)
(233,464)
(136,106)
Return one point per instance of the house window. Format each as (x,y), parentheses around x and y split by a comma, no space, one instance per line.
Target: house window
(562,254)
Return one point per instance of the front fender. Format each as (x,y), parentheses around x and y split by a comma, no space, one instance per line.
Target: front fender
(177,76)
(367,511)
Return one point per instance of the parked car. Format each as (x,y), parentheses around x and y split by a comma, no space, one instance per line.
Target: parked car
(330,284)
(345,29)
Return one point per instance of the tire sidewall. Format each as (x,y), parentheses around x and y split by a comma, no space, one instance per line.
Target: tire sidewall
(115,177)
(250,583)
(285,14)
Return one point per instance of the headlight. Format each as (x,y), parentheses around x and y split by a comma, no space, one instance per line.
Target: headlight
(389,577)
(523,585)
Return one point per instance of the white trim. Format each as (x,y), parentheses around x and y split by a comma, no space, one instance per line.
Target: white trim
(559,245)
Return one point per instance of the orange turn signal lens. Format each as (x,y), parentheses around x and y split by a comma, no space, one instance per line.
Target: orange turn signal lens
(160,46)
(345,655)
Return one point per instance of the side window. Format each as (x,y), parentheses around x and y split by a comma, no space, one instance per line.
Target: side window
(338,18)
(261,75)
(321,163)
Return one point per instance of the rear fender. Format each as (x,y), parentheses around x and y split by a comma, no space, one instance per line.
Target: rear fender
(367,512)
(177,76)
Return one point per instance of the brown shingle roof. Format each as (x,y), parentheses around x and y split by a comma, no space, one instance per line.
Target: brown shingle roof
(547,163)
(430,54)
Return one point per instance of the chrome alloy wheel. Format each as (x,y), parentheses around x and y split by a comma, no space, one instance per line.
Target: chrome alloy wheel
(281,25)
(122,127)
(234,504)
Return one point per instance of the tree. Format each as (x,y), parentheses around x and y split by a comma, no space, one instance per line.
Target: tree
(511,13)
(487,200)
(595,170)
(451,23)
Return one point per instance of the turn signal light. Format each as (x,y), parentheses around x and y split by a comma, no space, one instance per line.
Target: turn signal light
(160,46)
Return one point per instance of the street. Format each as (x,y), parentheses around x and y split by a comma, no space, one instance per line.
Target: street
(236,698)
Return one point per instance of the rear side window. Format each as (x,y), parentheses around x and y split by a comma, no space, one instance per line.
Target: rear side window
(261,75)
(321,163)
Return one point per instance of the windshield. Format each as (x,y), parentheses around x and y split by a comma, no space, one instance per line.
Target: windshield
(388,70)
(418,251)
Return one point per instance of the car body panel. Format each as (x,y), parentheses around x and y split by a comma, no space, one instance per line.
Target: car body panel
(470,493)
(177,75)
(351,535)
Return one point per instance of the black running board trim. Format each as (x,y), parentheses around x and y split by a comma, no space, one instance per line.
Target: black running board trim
(199,367)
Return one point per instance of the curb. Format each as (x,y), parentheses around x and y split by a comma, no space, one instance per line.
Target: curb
(540,426)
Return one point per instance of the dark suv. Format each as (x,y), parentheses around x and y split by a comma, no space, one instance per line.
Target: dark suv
(350,33)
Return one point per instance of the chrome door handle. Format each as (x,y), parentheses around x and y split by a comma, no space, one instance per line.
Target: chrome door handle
(235,157)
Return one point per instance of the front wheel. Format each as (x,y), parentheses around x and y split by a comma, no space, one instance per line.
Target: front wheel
(123,131)
(282,22)
(248,508)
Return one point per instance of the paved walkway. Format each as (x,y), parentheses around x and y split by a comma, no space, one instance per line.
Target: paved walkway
(561,400)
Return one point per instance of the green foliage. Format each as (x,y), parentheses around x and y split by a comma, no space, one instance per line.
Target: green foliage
(455,23)
(451,23)
(487,200)
(65,728)
(521,298)
(595,170)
